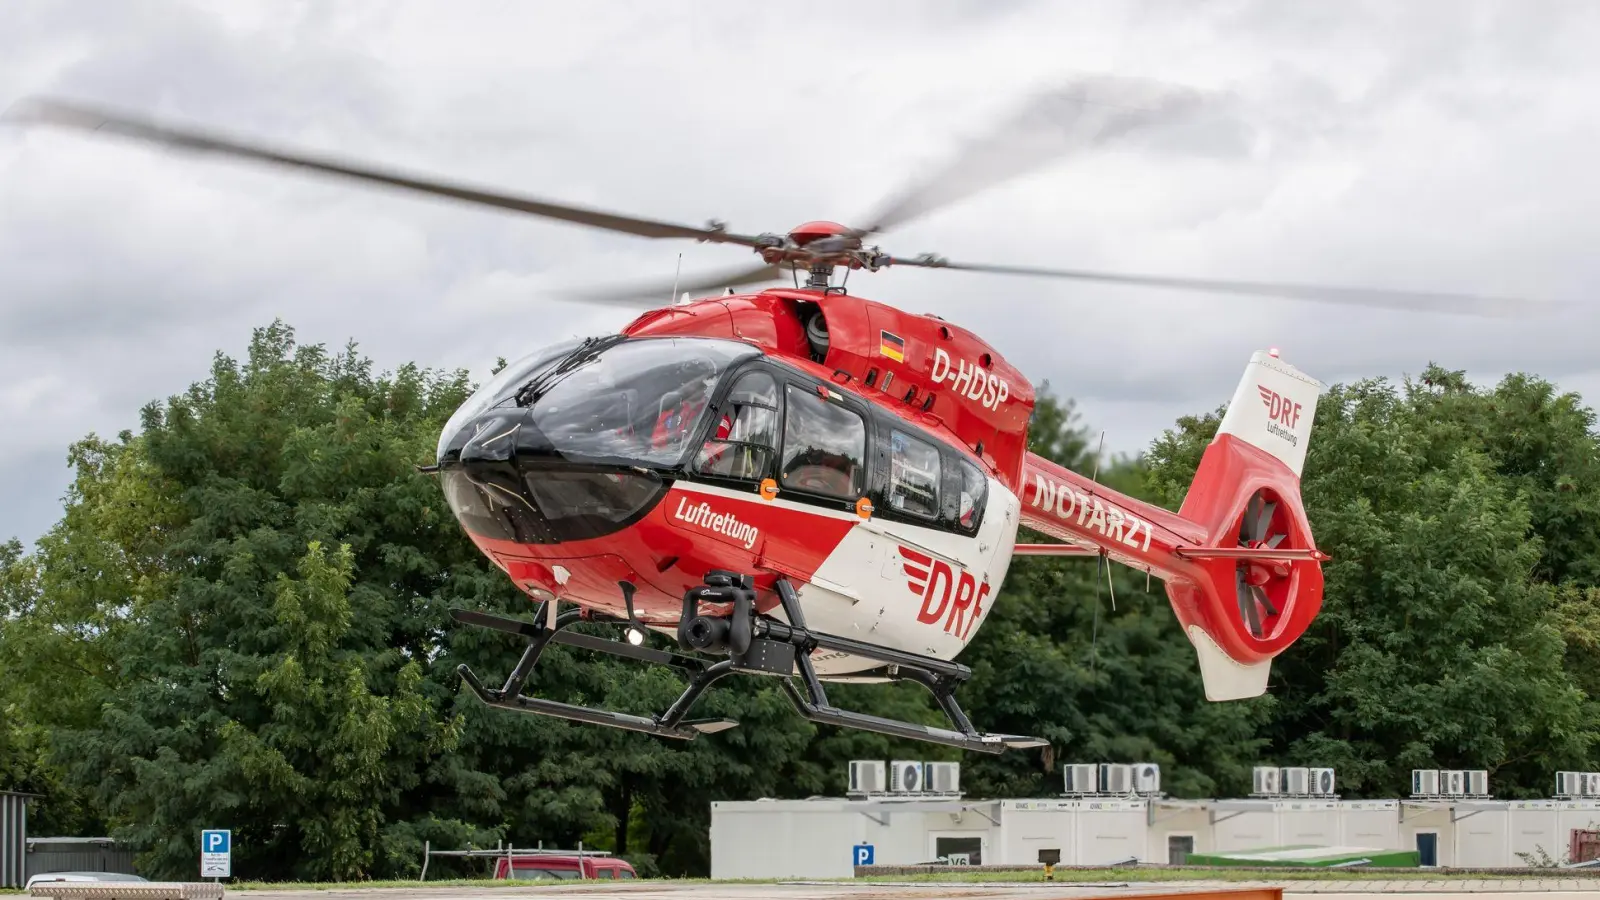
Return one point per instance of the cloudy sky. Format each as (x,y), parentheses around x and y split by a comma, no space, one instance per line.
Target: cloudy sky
(1444,145)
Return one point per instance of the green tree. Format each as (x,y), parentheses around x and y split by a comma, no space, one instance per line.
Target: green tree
(1543,444)
(203,661)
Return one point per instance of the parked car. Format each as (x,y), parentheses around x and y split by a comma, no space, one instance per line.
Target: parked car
(46,877)
(561,866)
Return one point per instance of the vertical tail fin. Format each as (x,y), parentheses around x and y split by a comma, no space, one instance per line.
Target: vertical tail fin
(1263,586)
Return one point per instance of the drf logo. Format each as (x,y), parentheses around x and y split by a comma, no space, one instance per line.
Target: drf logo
(944,588)
(1280,409)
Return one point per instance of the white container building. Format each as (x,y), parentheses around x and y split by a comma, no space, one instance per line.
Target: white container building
(828,837)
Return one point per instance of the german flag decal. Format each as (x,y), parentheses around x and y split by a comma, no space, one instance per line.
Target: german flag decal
(893,346)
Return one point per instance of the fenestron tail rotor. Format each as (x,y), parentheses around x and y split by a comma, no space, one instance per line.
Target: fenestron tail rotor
(1085,113)
(1259,527)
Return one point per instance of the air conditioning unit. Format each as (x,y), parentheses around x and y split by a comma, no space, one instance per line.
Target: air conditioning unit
(1452,782)
(1424,782)
(942,777)
(1568,785)
(1321,782)
(1477,783)
(907,775)
(1116,778)
(868,776)
(1591,784)
(1265,781)
(1080,778)
(1146,779)
(1295,781)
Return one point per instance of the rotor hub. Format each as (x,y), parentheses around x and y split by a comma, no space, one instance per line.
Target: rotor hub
(803,235)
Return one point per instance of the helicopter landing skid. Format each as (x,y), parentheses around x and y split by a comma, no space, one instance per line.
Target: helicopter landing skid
(940,677)
(755,645)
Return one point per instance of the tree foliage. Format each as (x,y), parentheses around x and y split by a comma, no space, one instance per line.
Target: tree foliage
(241,620)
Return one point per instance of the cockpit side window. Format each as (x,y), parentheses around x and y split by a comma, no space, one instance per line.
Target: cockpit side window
(744,434)
(913,476)
(824,446)
(965,494)
(972,493)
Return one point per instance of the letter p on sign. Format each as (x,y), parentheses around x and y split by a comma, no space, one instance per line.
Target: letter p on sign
(863,854)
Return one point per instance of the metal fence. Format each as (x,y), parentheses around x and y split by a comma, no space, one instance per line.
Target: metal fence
(75,854)
(13,838)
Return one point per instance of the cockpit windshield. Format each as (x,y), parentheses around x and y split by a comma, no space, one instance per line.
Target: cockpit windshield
(639,400)
(499,388)
(636,401)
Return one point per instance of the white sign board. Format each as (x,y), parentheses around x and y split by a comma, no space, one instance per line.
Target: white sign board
(216,854)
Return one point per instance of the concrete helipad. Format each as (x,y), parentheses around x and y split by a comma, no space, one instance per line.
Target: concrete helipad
(1441,889)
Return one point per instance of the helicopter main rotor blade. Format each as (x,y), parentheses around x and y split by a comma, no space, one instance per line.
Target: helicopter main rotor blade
(1083,113)
(1495,307)
(84,117)
(664,293)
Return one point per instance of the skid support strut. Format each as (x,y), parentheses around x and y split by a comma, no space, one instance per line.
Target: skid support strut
(752,644)
(938,676)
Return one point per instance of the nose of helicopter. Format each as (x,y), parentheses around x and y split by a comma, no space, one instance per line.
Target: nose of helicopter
(505,480)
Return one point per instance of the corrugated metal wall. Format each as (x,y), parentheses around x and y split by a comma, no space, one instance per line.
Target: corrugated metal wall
(13,839)
(77,855)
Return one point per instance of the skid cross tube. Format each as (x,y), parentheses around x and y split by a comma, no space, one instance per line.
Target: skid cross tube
(669,724)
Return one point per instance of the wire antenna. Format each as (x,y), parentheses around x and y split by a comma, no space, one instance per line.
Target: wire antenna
(1112,588)
(673,297)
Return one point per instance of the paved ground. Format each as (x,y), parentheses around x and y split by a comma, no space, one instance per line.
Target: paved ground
(1503,889)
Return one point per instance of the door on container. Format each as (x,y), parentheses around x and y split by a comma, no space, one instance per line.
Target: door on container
(1179,846)
(958,849)
(1585,846)
(1428,848)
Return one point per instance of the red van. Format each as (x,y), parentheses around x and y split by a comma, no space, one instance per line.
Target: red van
(561,866)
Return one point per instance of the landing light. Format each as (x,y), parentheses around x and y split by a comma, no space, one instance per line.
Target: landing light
(635,636)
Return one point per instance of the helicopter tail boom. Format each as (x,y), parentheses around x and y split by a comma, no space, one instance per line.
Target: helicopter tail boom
(1242,572)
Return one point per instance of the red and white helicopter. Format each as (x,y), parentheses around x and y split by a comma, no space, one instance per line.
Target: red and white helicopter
(801,481)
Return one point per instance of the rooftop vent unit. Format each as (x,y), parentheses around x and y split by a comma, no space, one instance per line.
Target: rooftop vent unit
(1080,779)
(867,776)
(1116,778)
(1322,783)
(1146,779)
(942,778)
(1266,781)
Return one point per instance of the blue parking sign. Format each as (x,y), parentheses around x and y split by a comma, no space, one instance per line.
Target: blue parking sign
(863,854)
(216,853)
